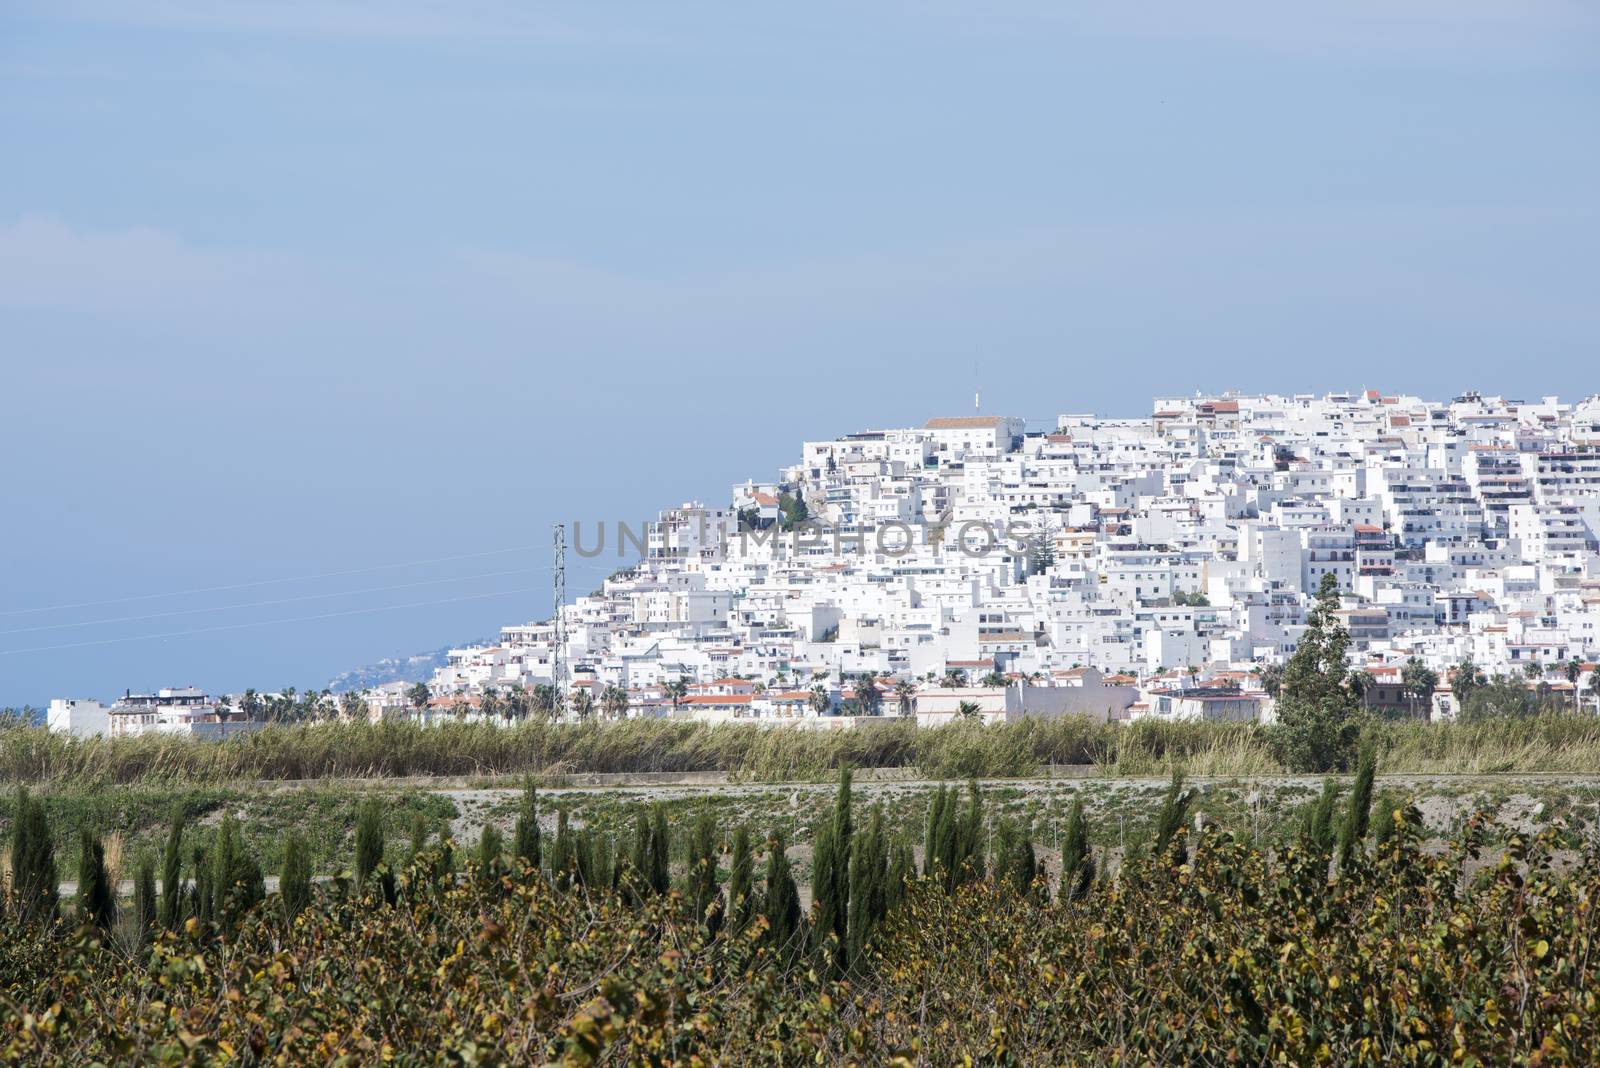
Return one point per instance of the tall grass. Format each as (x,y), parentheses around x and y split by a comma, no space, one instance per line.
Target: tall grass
(1559,744)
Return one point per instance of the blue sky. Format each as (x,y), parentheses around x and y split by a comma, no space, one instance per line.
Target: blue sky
(303,290)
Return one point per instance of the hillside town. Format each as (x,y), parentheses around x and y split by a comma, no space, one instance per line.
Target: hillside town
(1122,568)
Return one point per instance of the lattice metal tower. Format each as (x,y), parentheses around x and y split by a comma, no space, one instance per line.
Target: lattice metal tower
(558,640)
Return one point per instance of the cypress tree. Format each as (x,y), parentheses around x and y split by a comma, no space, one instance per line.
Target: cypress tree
(294,881)
(369,840)
(145,904)
(1077,862)
(97,901)
(236,880)
(823,888)
(419,834)
(1359,811)
(1173,810)
(638,883)
(830,877)
(946,837)
(902,869)
(741,901)
(930,836)
(34,883)
(172,906)
(1316,822)
(1023,867)
(969,866)
(660,852)
(869,863)
(562,860)
(490,847)
(705,898)
(782,899)
(527,832)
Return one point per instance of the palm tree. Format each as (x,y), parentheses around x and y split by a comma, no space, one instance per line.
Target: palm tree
(905,691)
(954,679)
(1361,683)
(419,695)
(868,696)
(994,678)
(819,700)
(969,710)
(676,691)
(583,704)
(614,702)
(490,705)
(1573,668)
(352,706)
(1419,681)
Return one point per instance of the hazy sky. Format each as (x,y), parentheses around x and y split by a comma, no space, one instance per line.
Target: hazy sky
(303,290)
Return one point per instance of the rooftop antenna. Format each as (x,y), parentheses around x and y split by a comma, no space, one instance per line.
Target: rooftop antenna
(558,640)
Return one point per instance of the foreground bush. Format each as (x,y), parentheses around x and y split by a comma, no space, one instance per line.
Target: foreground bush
(1204,950)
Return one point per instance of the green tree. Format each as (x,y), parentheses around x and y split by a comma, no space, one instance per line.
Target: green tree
(869,870)
(1174,810)
(741,878)
(905,694)
(1316,820)
(902,869)
(526,835)
(583,704)
(172,908)
(97,899)
(830,878)
(419,696)
(704,895)
(1465,679)
(563,852)
(1503,697)
(1271,676)
(676,691)
(490,846)
(419,834)
(782,899)
(614,702)
(145,904)
(1317,724)
(236,882)
(660,871)
(1359,810)
(34,888)
(294,881)
(869,699)
(1077,862)
(369,839)
(1419,682)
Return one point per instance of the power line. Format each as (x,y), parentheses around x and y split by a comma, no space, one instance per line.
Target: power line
(266,582)
(269,622)
(274,601)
